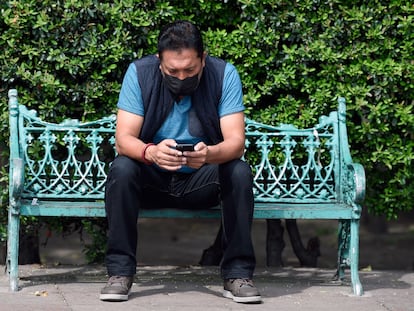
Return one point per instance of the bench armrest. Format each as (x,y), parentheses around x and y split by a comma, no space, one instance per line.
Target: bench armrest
(17,177)
(356,182)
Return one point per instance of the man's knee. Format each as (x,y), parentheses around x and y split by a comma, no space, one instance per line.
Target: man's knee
(237,169)
(124,167)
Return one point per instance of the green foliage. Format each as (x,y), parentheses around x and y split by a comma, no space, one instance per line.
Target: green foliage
(96,228)
(3,211)
(295,58)
(67,59)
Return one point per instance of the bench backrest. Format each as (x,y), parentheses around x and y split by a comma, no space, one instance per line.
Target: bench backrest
(70,160)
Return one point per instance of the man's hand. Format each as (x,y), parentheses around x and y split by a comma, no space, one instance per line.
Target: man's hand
(198,157)
(166,156)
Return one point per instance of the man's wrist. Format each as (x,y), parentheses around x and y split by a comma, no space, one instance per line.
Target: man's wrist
(144,150)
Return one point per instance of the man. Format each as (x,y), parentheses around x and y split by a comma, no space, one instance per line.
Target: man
(180,95)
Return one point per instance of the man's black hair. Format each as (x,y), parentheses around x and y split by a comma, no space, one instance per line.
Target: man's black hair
(180,35)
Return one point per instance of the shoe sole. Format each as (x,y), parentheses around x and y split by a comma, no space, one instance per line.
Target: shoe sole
(250,299)
(114,297)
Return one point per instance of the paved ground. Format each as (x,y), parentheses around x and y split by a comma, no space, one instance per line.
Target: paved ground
(194,288)
(170,279)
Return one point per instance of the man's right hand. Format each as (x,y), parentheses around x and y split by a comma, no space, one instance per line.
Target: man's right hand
(165,155)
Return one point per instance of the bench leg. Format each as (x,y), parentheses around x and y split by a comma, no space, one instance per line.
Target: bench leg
(348,253)
(13,249)
(356,283)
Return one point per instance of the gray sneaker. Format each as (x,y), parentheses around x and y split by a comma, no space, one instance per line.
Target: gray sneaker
(117,288)
(241,290)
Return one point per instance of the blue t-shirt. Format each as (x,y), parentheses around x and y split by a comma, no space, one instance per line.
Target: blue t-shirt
(182,124)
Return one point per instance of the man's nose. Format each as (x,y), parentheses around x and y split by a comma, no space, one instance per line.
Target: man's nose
(181,75)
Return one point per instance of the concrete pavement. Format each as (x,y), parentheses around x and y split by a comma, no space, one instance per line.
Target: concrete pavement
(168,277)
(76,288)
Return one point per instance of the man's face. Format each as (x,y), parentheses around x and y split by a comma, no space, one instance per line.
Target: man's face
(182,64)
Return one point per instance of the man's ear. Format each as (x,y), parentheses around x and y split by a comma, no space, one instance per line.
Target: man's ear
(158,56)
(203,61)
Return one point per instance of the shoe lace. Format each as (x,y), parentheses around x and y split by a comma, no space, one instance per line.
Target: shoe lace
(116,279)
(242,282)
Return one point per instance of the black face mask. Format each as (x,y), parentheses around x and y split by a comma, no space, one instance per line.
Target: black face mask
(181,87)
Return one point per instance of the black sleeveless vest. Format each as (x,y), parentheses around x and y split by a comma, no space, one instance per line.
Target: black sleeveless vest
(158,100)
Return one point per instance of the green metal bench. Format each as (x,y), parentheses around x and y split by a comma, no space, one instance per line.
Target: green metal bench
(60,170)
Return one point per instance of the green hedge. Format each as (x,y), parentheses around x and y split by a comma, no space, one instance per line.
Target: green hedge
(67,59)
(296,57)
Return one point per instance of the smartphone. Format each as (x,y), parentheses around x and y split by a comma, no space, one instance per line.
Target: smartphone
(185,147)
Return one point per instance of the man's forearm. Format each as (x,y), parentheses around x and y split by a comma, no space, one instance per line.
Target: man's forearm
(224,152)
(131,147)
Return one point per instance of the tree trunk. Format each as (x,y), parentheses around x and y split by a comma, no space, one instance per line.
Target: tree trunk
(212,256)
(29,247)
(274,246)
(308,257)
(274,243)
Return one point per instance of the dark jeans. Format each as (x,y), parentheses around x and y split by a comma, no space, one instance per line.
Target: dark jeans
(132,185)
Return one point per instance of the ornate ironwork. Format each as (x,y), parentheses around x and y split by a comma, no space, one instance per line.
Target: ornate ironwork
(71,159)
(68,160)
(306,161)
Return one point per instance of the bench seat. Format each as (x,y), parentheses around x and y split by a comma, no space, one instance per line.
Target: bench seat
(261,210)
